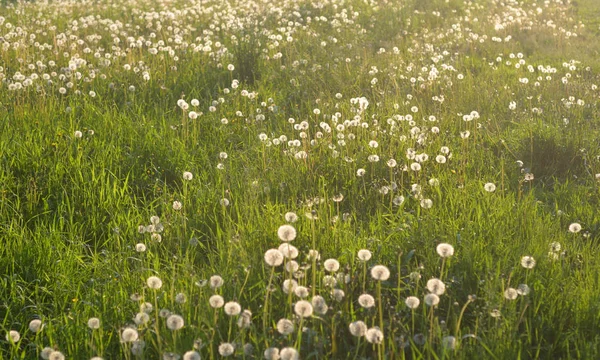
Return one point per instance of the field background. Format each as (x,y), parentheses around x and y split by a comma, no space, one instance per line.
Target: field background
(98,126)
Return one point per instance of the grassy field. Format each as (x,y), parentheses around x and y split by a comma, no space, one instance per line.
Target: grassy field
(335,179)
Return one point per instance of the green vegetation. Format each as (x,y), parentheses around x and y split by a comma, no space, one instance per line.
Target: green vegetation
(337,179)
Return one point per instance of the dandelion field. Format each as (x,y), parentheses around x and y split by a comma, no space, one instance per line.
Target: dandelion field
(336,179)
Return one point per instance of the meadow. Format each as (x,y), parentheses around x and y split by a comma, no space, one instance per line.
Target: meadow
(300,179)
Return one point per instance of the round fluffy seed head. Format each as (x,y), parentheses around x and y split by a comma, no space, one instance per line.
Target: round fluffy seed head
(226,349)
(45,353)
(291,217)
(436,286)
(445,250)
(338,294)
(245,319)
(510,294)
(358,328)
(331,265)
(175,322)
(216,281)
(289,286)
(140,247)
(129,335)
(301,292)
(366,301)
(527,262)
(188,175)
(449,342)
(289,353)
(489,187)
(154,282)
(273,257)
(303,308)
(412,302)
(232,308)
(432,299)
(271,354)
(319,305)
(35,325)
(93,323)
(523,289)
(575,228)
(285,327)
(380,273)
(289,251)
(374,335)
(216,301)
(56,355)
(286,233)
(13,336)
(141,318)
(191,355)
(364,255)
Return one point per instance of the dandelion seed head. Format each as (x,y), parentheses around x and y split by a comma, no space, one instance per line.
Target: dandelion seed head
(374,335)
(575,228)
(303,308)
(286,233)
(273,257)
(216,281)
(191,355)
(226,349)
(364,255)
(510,293)
(13,336)
(445,250)
(288,250)
(129,335)
(366,301)
(528,262)
(380,273)
(188,176)
(358,328)
(154,282)
(285,326)
(432,299)
(216,301)
(436,286)
(489,187)
(412,302)
(232,308)
(36,325)
(331,265)
(175,322)
(93,323)
(449,342)
(271,353)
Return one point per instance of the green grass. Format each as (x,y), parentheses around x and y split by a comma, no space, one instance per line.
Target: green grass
(71,206)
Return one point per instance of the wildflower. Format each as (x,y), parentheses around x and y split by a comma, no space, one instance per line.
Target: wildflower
(245,319)
(527,262)
(398,200)
(180,298)
(510,293)
(13,336)
(331,265)
(426,203)
(146,307)
(303,308)
(412,302)
(188,176)
(285,327)
(232,308)
(301,292)
(319,305)
(36,325)
(419,339)
(226,349)
(575,228)
(338,294)
(129,335)
(286,233)
(445,250)
(360,172)
(314,254)
(374,335)
(56,355)
(164,313)
(273,257)
(357,328)
(93,323)
(137,347)
(432,299)
(555,246)
(175,322)
(154,282)
(271,353)
(380,273)
(366,301)
(489,187)
(177,205)
(440,159)
(495,313)
(78,134)
(523,289)
(415,166)
(224,202)
(291,217)
(289,251)
(216,301)
(191,355)
(141,318)
(289,353)
(216,281)
(436,286)
(364,255)
(45,353)
(449,342)
(289,285)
